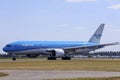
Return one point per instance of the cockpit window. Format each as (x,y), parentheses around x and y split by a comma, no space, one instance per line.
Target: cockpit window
(8,45)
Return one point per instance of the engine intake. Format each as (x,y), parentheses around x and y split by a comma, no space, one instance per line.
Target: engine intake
(57,53)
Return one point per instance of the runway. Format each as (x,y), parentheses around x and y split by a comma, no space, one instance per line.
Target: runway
(49,74)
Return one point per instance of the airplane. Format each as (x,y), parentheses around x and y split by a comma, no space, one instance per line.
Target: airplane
(56,49)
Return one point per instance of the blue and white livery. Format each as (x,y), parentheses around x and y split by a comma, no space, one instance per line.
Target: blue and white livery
(56,49)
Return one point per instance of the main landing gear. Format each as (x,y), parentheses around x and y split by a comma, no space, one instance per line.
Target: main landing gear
(66,58)
(51,58)
(63,58)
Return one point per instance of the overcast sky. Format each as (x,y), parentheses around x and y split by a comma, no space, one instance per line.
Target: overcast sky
(70,20)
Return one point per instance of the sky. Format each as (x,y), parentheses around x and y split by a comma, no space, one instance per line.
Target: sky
(61,20)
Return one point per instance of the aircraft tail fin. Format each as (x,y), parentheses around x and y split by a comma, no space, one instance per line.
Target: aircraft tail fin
(97,35)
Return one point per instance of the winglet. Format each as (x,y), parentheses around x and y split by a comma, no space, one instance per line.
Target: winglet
(97,35)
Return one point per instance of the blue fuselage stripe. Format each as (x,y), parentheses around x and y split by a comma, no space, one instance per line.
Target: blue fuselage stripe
(27,45)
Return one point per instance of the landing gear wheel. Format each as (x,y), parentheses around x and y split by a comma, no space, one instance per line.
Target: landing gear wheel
(14,59)
(51,58)
(66,58)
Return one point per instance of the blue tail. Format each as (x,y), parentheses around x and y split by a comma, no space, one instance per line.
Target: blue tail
(97,35)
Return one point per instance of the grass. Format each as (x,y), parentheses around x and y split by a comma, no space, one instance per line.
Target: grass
(3,74)
(113,78)
(75,64)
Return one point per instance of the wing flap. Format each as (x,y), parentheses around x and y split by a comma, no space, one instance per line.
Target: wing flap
(92,47)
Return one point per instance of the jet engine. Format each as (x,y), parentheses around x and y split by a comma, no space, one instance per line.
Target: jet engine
(57,53)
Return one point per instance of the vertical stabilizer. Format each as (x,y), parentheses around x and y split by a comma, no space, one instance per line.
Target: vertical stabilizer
(97,35)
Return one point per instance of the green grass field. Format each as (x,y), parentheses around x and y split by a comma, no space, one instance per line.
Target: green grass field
(75,64)
(113,78)
(3,74)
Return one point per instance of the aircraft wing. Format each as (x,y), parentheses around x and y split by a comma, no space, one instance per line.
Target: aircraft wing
(91,47)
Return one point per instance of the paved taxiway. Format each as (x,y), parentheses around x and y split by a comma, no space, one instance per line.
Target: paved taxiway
(44,74)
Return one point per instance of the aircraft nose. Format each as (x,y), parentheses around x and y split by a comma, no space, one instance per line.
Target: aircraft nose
(5,49)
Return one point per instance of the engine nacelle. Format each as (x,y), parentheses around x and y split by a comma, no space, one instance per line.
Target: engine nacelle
(32,55)
(57,53)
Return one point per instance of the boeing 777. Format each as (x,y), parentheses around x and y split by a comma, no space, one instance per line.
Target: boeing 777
(56,49)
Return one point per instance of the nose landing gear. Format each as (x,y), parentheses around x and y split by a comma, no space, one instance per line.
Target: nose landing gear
(13,57)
